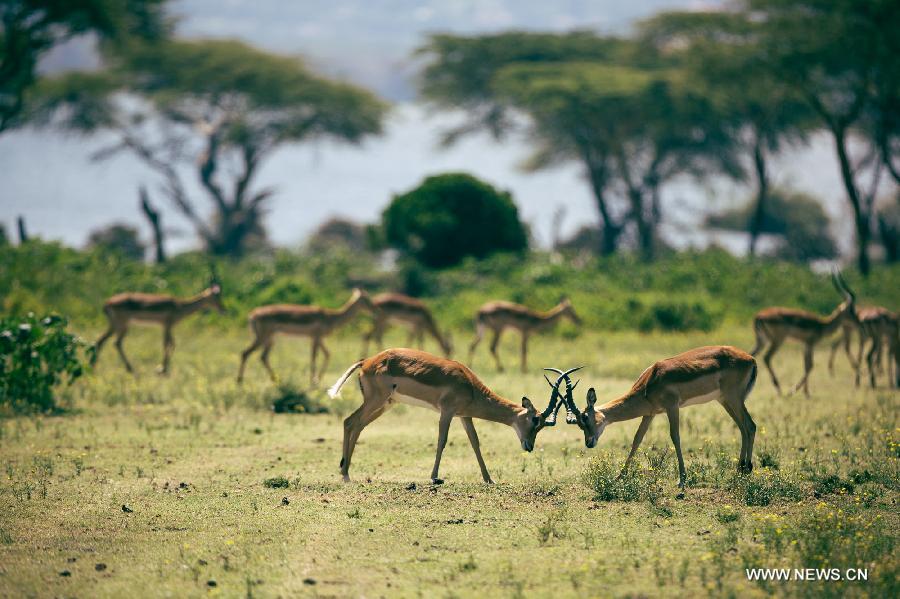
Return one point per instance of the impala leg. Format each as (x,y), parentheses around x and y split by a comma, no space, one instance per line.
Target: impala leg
(443,429)
(675,433)
(495,340)
(739,420)
(120,336)
(257,342)
(312,361)
(479,334)
(760,340)
(476,447)
(859,355)
(168,348)
(751,437)
(326,355)
(638,438)
(767,360)
(807,368)
(264,358)
(524,352)
(100,342)
(871,359)
(372,408)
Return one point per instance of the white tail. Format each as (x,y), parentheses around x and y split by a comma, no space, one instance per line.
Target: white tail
(336,387)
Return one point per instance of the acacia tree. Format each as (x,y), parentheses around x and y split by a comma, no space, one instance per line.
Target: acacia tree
(625,114)
(840,56)
(720,51)
(31,28)
(219,106)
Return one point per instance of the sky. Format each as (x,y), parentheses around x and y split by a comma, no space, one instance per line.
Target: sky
(50,180)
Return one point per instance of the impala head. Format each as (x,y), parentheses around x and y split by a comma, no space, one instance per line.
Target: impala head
(214,293)
(529,423)
(361,298)
(569,310)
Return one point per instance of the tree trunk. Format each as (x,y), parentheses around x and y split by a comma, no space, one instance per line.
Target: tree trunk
(610,230)
(155,223)
(23,232)
(645,228)
(861,215)
(762,195)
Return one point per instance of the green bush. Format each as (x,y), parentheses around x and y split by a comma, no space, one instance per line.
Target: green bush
(449,217)
(36,355)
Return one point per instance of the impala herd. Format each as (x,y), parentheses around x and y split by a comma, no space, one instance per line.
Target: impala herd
(414,377)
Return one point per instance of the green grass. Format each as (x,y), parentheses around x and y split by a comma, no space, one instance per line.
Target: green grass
(201,464)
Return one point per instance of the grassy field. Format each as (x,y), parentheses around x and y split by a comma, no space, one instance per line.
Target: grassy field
(157,487)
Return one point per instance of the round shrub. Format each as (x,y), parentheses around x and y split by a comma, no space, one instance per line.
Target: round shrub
(451,216)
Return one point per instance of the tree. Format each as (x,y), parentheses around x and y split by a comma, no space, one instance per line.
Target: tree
(220,105)
(619,108)
(451,216)
(840,56)
(120,238)
(796,218)
(30,28)
(721,52)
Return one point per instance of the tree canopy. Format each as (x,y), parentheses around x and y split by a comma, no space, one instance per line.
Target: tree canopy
(221,105)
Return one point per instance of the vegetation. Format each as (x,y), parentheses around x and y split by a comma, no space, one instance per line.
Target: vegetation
(121,238)
(36,356)
(449,217)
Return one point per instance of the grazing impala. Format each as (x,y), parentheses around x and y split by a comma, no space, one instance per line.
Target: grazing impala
(881,327)
(719,372)
(303,321)
(394,307)
(774,325)
(153,308)
(421,379)
(498,316)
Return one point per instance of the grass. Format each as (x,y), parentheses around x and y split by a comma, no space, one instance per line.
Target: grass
(176,486)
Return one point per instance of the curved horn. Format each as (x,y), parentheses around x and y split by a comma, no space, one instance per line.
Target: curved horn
(843,282)
(549,414)
(572,411)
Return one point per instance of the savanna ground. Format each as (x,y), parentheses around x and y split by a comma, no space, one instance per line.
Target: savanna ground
(189,456)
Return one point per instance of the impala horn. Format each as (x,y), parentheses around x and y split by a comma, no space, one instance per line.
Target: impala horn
(572,412)
(847,292)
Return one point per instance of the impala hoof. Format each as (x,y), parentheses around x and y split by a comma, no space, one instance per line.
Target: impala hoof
(437,481)
(680,494)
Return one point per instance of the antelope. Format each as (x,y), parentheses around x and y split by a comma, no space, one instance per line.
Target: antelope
(879,325)
(500,315)
(417,378)
(719,372)
(153,308)
(774,325)
(303,321)
(394,307)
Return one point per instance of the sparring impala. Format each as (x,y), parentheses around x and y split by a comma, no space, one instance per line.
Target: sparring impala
(417,378)
(498,316)
(154,308)
(719,372)
(774,325)
(302,321)
(398,308)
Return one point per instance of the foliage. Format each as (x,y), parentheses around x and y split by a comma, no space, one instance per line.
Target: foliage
(339,231)
(215,104)
(795,217)
(448,217)
(31,28)
(118,238)
(36,355)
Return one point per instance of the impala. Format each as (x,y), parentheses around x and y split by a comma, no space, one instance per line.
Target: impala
(153,308)
(881,327)
(421,379)
(394,307)
(774,325)
(302,321)
(719,372)
(499,316)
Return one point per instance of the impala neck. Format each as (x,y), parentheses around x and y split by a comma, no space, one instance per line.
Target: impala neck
(341,315)
(627,407)
(190,305)
(554,314)
(495,408)
(834,320)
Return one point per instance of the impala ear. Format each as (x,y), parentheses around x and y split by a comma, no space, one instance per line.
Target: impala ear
(526,403)
(591,397)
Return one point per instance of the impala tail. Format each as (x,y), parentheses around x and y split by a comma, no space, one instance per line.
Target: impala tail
(336,387)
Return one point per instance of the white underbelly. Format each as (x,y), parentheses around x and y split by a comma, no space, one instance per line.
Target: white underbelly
(413,401)
(698,399)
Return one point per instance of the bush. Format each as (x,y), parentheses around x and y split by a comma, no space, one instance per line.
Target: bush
(449,217)
(120,238)
(677,316)
(36,355)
